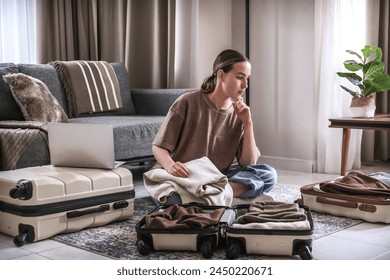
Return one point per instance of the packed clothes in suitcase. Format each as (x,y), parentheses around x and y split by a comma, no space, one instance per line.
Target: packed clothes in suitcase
(205,228)
(270,228)
(355,195)
(39,202)
(189,227)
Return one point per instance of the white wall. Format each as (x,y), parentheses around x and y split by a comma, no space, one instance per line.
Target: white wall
(215,21)
(282,82)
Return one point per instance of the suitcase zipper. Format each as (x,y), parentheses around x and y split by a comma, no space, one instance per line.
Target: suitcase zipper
(63,206)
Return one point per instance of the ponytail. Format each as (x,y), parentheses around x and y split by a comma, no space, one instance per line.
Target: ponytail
(208,84)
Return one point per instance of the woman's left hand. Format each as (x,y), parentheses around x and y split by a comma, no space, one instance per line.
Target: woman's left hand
(242,110)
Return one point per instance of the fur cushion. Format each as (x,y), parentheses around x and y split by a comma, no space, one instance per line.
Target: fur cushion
(34,99)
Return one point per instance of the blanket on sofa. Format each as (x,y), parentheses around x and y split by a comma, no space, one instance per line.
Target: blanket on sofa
(90,86)
(205,184)
(16,137)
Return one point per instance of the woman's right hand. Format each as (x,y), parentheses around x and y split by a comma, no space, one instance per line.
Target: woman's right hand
(163,157)
(178,169)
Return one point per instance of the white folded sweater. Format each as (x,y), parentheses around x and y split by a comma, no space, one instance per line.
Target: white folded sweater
(205,184)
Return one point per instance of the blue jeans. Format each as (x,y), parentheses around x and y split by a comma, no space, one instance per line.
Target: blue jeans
(260,178)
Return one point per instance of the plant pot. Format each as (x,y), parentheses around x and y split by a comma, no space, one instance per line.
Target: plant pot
(362,107)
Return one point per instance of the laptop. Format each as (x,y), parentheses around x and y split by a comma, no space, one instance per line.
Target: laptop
(81,145)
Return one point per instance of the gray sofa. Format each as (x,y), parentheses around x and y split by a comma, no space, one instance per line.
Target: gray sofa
(135,124)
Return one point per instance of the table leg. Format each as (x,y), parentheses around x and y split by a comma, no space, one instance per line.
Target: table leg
(344,150)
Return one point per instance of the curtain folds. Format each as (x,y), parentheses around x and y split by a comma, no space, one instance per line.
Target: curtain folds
(139,33)
(382,138)
(376,144)
(339,25)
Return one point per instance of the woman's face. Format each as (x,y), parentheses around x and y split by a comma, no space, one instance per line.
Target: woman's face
(235,82)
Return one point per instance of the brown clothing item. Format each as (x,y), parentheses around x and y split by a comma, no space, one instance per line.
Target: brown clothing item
(356,183)
(195,127)
(269,207)
(176,216)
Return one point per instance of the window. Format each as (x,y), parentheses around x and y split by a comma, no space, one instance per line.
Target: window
(18,31)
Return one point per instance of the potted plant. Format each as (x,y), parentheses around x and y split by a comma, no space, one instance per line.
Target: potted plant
(368,76)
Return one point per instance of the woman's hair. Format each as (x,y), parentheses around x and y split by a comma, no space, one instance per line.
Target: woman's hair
(224,61)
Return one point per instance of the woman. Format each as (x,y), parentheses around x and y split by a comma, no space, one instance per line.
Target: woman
(215,122)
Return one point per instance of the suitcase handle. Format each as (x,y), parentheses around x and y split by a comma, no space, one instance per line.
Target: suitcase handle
(346,204)
(79,213)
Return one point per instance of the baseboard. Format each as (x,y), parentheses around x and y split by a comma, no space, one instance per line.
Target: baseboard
(290,164)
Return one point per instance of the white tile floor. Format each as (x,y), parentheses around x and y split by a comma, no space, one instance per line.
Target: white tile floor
(365,241)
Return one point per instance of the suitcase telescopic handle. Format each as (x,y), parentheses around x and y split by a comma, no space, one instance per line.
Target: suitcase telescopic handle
(79,213)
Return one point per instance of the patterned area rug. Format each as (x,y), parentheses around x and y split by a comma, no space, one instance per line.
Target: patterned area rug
(118,240)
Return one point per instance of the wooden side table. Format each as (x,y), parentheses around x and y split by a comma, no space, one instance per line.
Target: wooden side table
(378,122)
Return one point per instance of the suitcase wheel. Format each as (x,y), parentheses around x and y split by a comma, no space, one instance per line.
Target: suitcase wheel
(233,250)
(206,248)
(143,247)
(20,239)
(305,253)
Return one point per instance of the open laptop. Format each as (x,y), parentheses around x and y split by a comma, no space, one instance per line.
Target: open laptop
(81,145)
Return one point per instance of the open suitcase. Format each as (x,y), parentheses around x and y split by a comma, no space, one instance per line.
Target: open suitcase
(236,241)
(371,209)
(197,239)
(39,202)
(287,239)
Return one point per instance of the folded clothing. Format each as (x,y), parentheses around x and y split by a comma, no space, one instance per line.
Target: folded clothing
(356,183)
(271,211)
(297,225)
(176,216)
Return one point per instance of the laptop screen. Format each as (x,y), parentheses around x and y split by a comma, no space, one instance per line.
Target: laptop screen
(81,145)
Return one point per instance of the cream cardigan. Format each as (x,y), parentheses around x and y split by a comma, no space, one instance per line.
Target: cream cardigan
(205,184)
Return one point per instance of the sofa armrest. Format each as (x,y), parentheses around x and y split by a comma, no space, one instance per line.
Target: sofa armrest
(155,101)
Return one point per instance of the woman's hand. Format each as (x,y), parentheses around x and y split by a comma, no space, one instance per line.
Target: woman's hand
(178,169)
(165,160)
(250,152)
(242,110)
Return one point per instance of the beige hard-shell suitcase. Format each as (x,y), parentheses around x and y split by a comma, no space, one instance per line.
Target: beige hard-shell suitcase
(203,239)
(270,238)
(368,208)
(39,202)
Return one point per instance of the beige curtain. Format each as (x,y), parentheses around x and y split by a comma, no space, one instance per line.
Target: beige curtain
(382,138)
(138,33)
(376,144)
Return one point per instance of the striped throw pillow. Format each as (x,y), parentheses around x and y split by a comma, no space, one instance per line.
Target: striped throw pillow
(90,86)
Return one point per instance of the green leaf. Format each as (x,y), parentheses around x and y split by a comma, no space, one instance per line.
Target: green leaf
(373,68)
(380,83)
(349,75)
(355,53)
(352,65)
(353,93)
(369,50)
(354,81)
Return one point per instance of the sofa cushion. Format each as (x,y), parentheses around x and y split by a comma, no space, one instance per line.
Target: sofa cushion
(48,75)
(34,99)
(133,135)
(9,109)
(127,101)
(90,86)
